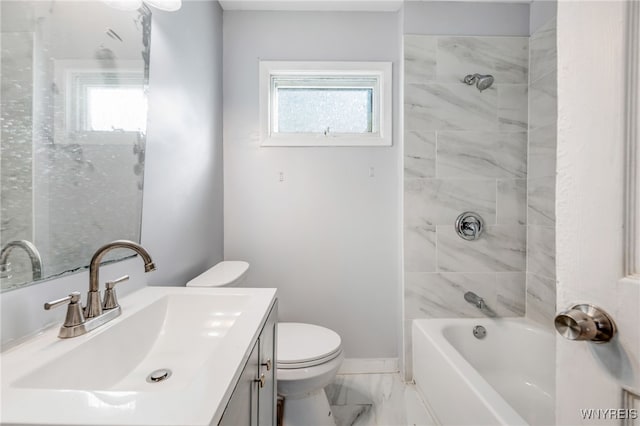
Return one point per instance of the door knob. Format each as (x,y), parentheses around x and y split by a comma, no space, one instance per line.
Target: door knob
(585,322)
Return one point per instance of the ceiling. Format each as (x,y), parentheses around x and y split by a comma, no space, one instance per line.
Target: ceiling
(334,5)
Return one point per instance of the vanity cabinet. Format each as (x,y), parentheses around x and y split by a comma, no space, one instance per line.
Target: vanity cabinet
(253,401)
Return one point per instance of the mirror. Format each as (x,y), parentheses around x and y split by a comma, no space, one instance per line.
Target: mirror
(72,144)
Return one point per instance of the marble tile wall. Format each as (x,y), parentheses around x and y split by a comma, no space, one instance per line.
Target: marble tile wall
(16,150)
(465,150)
(541,275)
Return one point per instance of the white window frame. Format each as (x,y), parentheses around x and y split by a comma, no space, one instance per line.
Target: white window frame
(70,78)
(382,102)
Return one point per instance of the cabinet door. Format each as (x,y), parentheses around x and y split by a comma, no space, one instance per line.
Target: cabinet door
(242,409)
(267,394)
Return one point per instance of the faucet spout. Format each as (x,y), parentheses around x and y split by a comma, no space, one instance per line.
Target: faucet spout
(94,305)
(30,249)
(474,299)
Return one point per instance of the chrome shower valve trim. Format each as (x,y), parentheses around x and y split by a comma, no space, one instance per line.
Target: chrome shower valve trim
(469,226)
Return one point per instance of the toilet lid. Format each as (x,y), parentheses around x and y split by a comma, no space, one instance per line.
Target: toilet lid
(221,275)
(302,344)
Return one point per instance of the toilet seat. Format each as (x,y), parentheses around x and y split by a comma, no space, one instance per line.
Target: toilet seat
(306,345)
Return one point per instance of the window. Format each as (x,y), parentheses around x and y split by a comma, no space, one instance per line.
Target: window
(97,102)
(325,103)
(115,108)
(107,102)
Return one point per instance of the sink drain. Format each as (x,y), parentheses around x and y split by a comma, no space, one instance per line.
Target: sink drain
(159,375)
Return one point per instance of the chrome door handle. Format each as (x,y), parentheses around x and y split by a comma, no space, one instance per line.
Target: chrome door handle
(585,322)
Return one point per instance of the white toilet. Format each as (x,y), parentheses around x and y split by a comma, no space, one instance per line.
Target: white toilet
(229,273)
(308,356)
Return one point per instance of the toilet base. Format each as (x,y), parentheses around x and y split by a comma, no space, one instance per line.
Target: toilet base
(308,410)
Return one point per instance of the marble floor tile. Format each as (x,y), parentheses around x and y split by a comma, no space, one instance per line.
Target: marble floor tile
(376,400)
(407,344)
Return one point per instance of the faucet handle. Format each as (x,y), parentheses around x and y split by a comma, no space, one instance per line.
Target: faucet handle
(74,312)
(110,299)
(110,284)
(71,298)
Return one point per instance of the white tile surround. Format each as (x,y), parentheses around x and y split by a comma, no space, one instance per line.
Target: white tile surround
(376,400)
(541,179)
(464,150)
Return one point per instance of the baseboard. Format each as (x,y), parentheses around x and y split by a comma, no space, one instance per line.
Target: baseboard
(369,366)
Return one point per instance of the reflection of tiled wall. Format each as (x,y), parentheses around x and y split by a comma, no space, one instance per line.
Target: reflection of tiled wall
(464,150)
(16,150)
(541,275)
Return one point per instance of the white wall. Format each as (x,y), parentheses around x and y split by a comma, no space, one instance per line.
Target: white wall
(328,235)
(182,210)
(466,18)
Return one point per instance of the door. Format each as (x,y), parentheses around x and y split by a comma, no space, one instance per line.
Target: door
(597,212)
(267,392)
(242,409)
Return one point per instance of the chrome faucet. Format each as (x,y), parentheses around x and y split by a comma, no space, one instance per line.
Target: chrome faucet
(32,251)
(474,299)
(80,321)
(94,304)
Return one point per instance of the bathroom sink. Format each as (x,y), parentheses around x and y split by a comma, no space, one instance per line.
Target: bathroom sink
(195,341)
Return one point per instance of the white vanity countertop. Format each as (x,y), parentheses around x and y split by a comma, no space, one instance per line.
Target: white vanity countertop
(204,335)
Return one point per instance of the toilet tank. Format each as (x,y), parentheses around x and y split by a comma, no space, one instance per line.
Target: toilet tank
(228,273)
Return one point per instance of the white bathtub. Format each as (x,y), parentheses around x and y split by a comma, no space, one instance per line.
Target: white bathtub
(507,378)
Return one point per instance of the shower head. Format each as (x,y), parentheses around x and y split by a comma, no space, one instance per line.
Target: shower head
(482,82)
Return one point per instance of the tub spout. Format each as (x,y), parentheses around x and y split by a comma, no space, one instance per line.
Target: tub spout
(474,299)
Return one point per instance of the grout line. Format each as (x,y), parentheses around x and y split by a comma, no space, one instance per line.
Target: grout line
(497,222)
